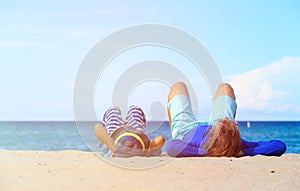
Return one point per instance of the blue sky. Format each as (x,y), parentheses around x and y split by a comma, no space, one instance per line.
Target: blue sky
(255,44)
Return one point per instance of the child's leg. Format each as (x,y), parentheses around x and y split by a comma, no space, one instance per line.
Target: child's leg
(180,112)
(136,118)
(112,119)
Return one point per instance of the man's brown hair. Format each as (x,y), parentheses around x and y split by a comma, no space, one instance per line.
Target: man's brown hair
(223,139)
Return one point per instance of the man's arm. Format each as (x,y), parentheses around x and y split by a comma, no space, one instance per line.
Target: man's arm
(268,148)
(177,148)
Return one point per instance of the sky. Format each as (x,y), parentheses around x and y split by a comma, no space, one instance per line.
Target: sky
(255,45)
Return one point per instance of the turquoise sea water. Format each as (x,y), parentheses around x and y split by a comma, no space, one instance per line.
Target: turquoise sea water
(54,136)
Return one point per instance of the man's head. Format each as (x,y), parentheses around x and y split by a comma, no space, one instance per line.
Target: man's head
(224,139)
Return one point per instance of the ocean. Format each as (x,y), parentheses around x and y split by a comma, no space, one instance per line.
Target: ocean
(56,136)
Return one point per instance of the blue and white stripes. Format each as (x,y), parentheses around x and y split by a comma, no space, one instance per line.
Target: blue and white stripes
(112,119)
(136,118)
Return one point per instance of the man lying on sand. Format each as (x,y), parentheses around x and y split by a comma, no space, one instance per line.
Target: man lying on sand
(126,138)
(219,137)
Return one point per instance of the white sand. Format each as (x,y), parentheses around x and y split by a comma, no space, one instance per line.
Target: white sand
(76,170)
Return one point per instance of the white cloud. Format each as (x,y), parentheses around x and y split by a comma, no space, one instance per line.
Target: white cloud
(22,44)
(272,88)
(77,32)
(13,44)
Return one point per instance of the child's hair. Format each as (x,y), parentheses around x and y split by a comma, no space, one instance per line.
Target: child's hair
(223,139)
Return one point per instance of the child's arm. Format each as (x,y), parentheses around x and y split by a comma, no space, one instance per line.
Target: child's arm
(103,137)
(155,146)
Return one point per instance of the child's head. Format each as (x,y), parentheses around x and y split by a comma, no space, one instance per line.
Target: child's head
(223,139)
(130,142)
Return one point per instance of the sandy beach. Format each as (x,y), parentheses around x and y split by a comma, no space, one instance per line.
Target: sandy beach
(77,170)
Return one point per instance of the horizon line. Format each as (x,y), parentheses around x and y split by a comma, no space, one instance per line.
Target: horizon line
(1,121)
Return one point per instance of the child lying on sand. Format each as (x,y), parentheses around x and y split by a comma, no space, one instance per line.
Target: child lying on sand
(127,138)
